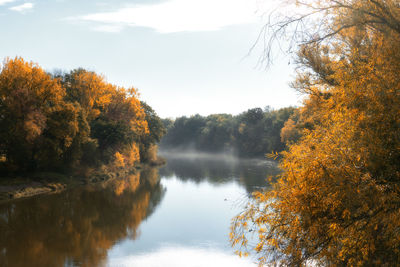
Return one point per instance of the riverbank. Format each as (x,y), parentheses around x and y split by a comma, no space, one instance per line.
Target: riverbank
(36,184)
(25,186)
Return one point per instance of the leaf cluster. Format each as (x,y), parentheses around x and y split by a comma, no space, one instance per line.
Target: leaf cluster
(337,201)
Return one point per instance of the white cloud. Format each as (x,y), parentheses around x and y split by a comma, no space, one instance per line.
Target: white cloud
(108,28)
(22,8)
(3,2)
(179,15)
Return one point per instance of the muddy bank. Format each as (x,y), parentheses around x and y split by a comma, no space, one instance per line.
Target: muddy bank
(36,184)
(47,182)
(29,189)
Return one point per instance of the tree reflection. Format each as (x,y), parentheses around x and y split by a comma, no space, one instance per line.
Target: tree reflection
(77,227)
(252,174)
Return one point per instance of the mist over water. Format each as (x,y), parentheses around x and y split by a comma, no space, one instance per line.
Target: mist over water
(226,156)
(219,168)
(188,153)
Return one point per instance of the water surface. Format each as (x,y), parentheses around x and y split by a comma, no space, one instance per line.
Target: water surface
(178,215)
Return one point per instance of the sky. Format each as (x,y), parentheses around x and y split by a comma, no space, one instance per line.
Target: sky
(185,57)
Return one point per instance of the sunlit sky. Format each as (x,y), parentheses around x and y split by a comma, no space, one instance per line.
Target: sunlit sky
(184,56)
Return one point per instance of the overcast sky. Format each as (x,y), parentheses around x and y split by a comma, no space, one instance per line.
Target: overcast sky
(184,56)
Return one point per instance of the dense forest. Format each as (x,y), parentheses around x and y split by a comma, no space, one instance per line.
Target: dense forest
(337,202)
(253,133)
(73,120)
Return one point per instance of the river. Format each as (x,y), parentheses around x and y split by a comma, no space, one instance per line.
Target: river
(177,215)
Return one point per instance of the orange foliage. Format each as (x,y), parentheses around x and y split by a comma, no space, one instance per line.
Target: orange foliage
(29,95)
(52,122)
(289,132)
(337,202)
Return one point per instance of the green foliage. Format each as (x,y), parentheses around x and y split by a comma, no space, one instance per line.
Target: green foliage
(148,150)
(250,134)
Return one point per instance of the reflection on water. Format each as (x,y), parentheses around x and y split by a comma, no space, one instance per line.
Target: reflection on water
(140,220)
(76,227)
(251,173)
(183,257)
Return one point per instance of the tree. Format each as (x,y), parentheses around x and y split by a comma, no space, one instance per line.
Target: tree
(216,134)
(148,143)
(76,119)
(250,134)
(115,116)
(337,201)
(29,102)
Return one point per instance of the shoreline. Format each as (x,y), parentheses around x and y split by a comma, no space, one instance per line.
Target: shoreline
(17,187)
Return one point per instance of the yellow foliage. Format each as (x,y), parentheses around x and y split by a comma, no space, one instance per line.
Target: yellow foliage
(132,154)
(128,157)
(73,119)
(29,94)
(337,202)
(129,183)
(119,161)
(289,132)
(98,96)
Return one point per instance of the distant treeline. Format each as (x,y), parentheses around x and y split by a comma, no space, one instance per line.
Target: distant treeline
(253,133)
(71,120)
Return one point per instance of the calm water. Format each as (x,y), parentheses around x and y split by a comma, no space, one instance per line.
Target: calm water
(178,215)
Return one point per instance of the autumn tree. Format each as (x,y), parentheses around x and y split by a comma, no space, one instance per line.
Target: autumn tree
(37,125)
(337,201)
(292,128)
(69,120)
(115,115)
